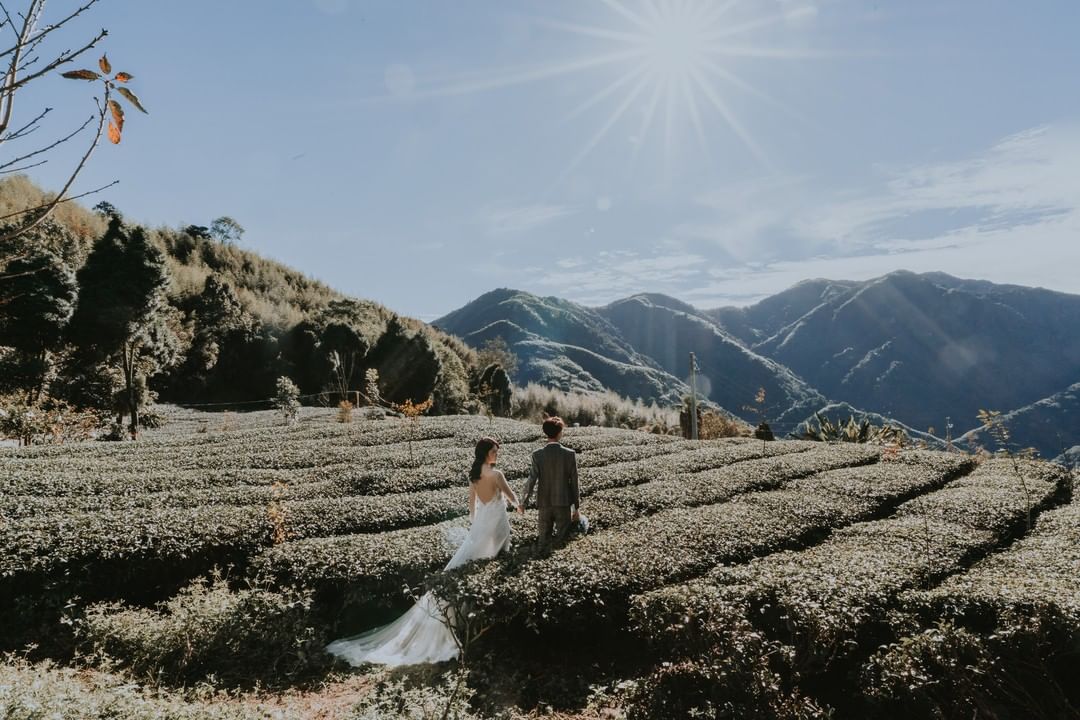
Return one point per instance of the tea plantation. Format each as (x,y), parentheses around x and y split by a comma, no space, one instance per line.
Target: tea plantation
(199,572)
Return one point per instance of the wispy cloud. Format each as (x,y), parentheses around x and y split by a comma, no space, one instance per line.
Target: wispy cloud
(611,274)
(1010,213)
(522,219)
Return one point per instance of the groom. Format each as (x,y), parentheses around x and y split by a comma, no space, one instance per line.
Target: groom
(554,475)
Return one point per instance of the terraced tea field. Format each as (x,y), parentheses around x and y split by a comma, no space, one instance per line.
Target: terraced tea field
(785,579)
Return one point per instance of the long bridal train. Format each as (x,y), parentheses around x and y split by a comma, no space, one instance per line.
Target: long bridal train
(421,634)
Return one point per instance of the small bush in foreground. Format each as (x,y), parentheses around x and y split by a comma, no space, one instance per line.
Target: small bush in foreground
(239,638)
(43,691)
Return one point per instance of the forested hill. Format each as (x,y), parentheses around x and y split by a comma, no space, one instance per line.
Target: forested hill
(205,320)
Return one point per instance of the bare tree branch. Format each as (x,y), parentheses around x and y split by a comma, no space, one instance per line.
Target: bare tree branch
(23,168)
(7,94)
(50,206)
(35,9)
(49,147)
(25,129)
(64,58)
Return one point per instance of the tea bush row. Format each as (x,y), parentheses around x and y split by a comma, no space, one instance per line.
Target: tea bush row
(239,637)
(827,599)
(163,534)
(591,580)
(370,565)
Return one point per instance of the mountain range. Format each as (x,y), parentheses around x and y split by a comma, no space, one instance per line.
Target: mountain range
(922,350)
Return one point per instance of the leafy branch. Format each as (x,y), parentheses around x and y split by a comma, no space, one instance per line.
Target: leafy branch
(24,65)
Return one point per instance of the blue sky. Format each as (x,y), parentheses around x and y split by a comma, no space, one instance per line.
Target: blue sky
(422,153)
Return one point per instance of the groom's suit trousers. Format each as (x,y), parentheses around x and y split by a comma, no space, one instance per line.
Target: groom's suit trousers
(553,525)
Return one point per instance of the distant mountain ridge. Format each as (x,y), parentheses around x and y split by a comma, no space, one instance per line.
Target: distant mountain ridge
(916,348)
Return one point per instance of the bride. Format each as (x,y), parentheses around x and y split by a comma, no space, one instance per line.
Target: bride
(421,634)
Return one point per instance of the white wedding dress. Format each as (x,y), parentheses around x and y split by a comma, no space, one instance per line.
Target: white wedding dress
(421,635)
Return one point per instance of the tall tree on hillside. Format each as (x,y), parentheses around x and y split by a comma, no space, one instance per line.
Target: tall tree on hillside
(226,230)
(227,354)
(121,316)
(35,306)
(345,349)
(24,61)
(407,362)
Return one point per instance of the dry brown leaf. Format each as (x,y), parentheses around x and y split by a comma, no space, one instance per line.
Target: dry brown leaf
(114,133)
(131,98)
(118,114)
(81,75)
(103,63)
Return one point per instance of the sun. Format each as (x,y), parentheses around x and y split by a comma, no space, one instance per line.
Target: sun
(673,52)
(672,70)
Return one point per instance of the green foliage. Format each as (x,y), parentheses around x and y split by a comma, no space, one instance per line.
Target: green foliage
(36,302)
(240,637)
(226,230)
(407,362)
(429,698)
(493,387)
(724,577)
(122,317)
(287,400)
(496,352)
(721,665)
(852,431)
(44,690)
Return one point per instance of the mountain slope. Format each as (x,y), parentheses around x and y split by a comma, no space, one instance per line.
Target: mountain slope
(563,345)
(921,348)
(667,331)
(1051,425)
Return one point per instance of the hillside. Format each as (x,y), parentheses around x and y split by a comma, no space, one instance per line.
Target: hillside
(807,575)
(1051,425)
(564,345)
(226,324)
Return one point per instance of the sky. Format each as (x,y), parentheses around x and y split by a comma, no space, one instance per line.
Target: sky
(422,153)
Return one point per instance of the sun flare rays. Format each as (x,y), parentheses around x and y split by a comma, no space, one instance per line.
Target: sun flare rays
(670,67)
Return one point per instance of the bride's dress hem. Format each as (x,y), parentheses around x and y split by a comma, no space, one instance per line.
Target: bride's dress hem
(421,634)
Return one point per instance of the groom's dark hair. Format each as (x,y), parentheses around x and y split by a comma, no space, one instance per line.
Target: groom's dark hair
(553,426)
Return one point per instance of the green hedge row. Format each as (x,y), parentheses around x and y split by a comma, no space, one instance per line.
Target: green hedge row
(1040,573)
(370,566)
(825,599)
(162,534)
(241,638)
(997,640)
(456,428)
(593,579)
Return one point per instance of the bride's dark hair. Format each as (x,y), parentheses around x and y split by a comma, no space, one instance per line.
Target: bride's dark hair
(484,446)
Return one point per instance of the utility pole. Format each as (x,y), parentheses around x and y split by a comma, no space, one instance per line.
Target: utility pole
(693,398)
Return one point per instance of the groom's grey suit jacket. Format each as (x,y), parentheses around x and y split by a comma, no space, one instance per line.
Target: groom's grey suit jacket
(554,476)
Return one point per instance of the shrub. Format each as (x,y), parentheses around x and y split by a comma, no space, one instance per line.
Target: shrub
(603,409)
(714,425)
(287,400)
(590,581)
(857,432)
(719,664)
(239,638)
(44,690)
(345,412)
